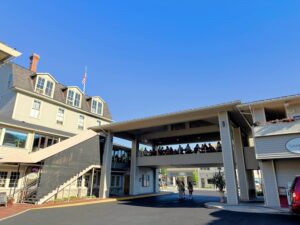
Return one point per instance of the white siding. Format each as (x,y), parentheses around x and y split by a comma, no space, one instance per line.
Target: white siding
(274,146)
(48,114)
(286,170)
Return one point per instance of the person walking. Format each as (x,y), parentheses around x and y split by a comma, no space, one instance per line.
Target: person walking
(178,184)
(182,189)
(190,188)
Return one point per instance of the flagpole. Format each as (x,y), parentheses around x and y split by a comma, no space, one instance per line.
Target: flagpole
(85,74)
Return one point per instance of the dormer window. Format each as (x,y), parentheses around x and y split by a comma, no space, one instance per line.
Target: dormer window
(44,86)
(97,107)
(40,85)
(49,88)
(77,100)
(73,98)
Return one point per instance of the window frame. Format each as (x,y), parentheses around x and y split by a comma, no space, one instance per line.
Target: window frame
(14,183)
(40,89)
(80,125)
(3,179)
(95,107)
(32,109)
(145,180)
(75,100)
(14,131)
(116,179)
(51,90)
(60,119)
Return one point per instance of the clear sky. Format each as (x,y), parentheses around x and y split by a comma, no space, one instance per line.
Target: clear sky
(149,57)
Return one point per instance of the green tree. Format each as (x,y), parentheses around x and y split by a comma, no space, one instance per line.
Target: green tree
(164,171)
(195,176)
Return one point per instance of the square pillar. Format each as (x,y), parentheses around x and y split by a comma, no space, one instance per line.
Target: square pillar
(241,166)
(228,158)
(106,167)
(270,183)
(134,169)
(156,174)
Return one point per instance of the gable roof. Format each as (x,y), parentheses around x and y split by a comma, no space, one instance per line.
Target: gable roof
(23,79)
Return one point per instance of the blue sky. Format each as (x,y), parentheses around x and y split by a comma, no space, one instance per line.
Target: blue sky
(151,57)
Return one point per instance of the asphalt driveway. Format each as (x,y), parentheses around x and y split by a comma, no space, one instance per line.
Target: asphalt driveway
(162,210)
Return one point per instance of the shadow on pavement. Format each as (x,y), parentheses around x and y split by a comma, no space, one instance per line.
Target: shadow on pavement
(171,201)
(223,217)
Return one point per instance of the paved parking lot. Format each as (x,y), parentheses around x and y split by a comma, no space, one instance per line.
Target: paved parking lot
(162,210)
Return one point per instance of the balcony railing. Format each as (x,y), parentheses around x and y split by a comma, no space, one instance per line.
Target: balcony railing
(277,127)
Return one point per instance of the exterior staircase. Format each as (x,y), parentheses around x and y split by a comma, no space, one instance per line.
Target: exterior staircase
(64,185)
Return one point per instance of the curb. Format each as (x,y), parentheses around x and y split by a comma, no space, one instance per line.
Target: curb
(100,201)
(275,211)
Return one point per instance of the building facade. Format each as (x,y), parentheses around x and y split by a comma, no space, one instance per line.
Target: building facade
(47,150)
(36,113)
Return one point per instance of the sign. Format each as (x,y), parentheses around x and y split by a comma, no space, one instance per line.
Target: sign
(293,145)
(3,198)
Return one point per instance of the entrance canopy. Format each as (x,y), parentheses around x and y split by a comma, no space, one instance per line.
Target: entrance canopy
(7,52)
(190,126)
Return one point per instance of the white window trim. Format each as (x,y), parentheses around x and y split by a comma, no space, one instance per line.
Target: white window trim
(97,101)
(15,130)
(40,109)
(63,118)
(79,123)
(47,79)
(73,99)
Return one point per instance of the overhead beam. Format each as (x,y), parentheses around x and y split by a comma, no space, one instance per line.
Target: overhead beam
(183,132)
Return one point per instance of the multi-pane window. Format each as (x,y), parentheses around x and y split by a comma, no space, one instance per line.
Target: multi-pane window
(43,141)
(14,179)
(115,181)
(40,85)
(79,181)
(96,107)
(35,110)
(44,86)
(81,122)
(73,99)
(14,139)
(49,88)
(86,180)
(3,176)
(77,100)
(145,180)
(70,97)
(60,116)
(99,108)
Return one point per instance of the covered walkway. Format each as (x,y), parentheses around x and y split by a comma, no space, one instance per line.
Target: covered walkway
(203,126)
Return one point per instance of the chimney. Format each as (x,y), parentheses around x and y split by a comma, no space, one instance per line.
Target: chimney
(34,59)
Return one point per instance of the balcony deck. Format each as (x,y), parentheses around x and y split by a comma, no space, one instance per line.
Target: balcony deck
(280,128)
(212,159)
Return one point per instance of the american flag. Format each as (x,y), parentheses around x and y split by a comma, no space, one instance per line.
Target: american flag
(84,78)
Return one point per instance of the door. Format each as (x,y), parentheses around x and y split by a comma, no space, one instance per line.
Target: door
(126,184)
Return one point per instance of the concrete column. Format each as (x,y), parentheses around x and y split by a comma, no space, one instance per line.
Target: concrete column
(106,167)
(251,184)
(133,168)
(241,167)
(228,158)
(270,183)
(156,187)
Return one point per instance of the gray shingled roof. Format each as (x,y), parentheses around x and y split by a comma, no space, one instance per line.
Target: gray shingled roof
(23,78)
